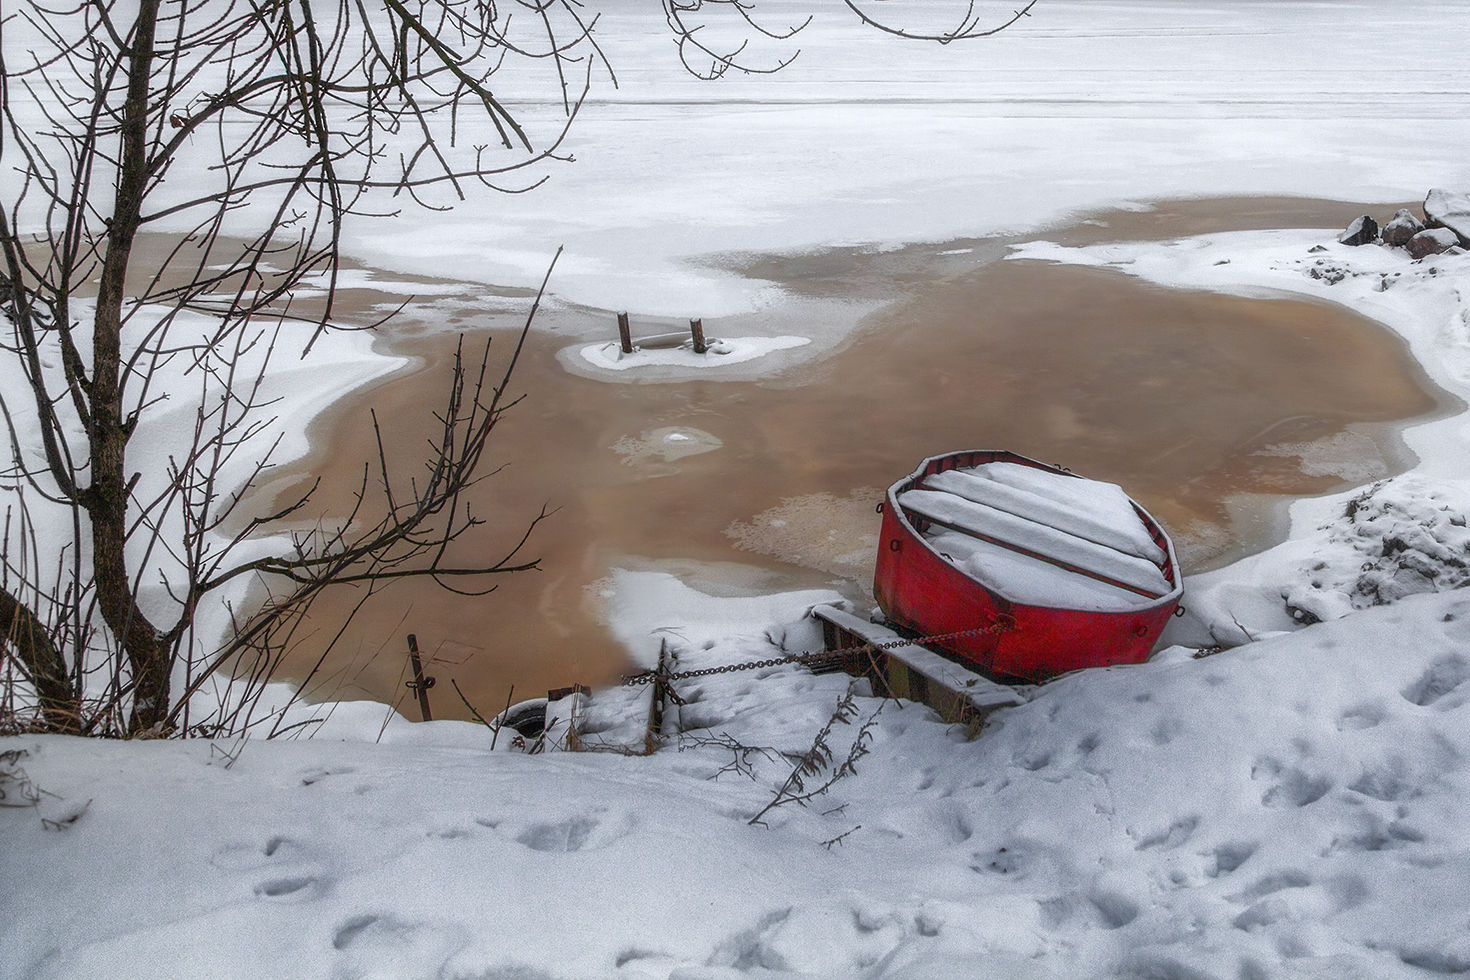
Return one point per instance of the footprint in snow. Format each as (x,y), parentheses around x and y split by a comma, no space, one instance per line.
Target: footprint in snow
(1168,837)
(247,857)
(1229,857)
(370,944)
(284,887)
(1290,787)
(584,832)
(1369,714)
(1443,677)
(1270,884)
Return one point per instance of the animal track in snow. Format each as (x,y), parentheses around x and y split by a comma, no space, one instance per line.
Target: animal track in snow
(1378,834)
(1116,911)
(349,931)
(317,775)
(1271,884)
(1095,910)
(1442,961)
(1167,837)
(1009,860)
(1033,763)
(376,945)
(583,832)
(959,825)
(281,887)
(1164,730)
(1443,676)
(1390,782)
(1228,857)
(1290,787)
(568,835)
(1370,714)
(745,950)
(248,857)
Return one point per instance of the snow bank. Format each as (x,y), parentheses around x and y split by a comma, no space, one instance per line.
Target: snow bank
(1289,808)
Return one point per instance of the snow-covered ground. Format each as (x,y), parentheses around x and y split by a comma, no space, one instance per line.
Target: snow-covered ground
(1290,807)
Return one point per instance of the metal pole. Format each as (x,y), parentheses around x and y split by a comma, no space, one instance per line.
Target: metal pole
(696,328)
(625,332)
(420,684)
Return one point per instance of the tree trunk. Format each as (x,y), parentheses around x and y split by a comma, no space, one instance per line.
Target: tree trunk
(27,636)
(106,499)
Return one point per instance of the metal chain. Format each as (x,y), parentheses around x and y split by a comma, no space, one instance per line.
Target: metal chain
(649,676)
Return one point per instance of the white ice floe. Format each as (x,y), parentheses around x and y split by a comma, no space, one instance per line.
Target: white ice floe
(720,353)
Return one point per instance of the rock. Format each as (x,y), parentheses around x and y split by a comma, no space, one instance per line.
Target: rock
(1401,227)
(1317,248)
(1431,241)
(1363,231)
(1449,209)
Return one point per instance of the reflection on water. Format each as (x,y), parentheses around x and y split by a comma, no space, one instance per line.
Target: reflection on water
(1194,402)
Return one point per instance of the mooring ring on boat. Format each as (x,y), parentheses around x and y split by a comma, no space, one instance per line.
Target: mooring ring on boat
(1178,610)
(879,508)
(895,545)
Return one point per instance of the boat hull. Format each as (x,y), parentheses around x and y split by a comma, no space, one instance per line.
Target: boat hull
(921,591)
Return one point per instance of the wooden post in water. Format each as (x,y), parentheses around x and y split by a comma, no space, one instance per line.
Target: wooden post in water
(656,709)
(420,684)
(625,333)
(696,328)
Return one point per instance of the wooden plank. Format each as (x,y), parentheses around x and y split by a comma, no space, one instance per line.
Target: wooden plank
(919,674)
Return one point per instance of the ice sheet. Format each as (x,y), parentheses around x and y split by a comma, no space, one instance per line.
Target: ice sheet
(870,141)
(1092,513)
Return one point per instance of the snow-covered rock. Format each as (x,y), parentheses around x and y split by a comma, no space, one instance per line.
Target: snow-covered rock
(1449,209)
(1362,231)
(1431,241)
(1401,227)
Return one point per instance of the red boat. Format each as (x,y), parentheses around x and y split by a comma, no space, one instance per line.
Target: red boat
(1039,570)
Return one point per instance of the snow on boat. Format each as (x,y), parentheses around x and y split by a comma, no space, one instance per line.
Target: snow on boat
(1065,572)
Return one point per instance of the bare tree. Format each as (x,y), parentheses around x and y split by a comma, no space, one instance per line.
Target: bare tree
(715,36)
(177,175)
(246,133)
(972,24)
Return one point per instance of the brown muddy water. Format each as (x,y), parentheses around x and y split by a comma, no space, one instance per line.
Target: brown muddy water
(1206,408)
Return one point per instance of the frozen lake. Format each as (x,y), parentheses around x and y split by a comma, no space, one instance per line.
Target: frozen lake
(872,141)
(1211,410)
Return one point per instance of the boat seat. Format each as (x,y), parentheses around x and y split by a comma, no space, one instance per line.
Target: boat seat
(1040,540)
(1098,512)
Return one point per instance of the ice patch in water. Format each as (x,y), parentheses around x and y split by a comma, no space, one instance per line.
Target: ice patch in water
(720,353)
(1350,455)
(667,443)
(817,530)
